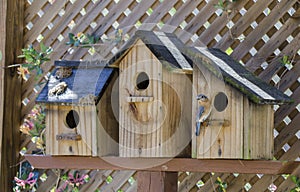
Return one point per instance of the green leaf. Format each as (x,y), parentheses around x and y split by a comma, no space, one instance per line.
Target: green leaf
(0,55)
(43,47)
(71,35)
(109,179)
(295,179)
(28,58)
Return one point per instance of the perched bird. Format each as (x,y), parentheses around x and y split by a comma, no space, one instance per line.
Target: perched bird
(204,109)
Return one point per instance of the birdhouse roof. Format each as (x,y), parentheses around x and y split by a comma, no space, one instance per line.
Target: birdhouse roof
(236,75)
(88,79)
(169,49)
(165,46)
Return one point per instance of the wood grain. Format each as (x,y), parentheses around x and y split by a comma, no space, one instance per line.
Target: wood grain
(11,42)
(163,164)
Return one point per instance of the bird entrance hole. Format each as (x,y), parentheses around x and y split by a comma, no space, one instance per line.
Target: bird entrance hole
(220,101)
(142,81)
(72,119)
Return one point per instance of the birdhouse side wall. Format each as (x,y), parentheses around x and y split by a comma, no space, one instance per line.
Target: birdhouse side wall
(107,123)
(63,140)
(258,131)
(177,110)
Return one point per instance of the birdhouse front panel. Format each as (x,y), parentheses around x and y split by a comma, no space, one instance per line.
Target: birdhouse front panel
(140,109)
(153,121)
(72,130)
(221,134)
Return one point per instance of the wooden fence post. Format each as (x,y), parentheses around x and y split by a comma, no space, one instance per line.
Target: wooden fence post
(11,42)
(149,181)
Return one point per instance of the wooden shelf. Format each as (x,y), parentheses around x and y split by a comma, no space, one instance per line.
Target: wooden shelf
(134,99)
(163,164)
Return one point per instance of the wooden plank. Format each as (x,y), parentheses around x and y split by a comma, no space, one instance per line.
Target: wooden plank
(32,10)
(190,181)
(97,178)
(292,153)
(288,132)
(284,110)
(208,35)
(107,120)
(269,47)
(243,23)
(180,15)
(49,183)
(156,181)
(288,184)
(11,42)
(158,13)
(262,28)
(31,35)
(163,164)
(198,20)
(61,24)
(276,65)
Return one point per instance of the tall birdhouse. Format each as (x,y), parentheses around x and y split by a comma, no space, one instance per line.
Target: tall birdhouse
(79,116)
(155,82)
(233,114)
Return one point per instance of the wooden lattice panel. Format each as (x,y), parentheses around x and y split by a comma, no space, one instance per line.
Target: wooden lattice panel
(256,32)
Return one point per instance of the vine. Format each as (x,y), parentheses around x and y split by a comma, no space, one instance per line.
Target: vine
(34,123)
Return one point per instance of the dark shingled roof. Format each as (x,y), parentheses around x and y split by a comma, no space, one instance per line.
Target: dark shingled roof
(257,90)
(169,50)
(236,75)
(157,47)
(90,79)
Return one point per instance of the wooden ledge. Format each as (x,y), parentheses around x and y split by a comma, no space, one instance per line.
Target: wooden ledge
(163,164)
(135,99)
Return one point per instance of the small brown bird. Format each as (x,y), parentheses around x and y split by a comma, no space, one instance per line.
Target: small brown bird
(204,109)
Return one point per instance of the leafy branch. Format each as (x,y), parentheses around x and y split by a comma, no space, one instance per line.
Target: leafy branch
(82,40)
(33,60)
(295,180)
(224,5)
(221,185)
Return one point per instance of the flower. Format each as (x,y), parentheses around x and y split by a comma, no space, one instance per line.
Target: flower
(27,183)
(23,72)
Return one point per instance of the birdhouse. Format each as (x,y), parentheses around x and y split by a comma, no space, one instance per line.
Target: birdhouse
(238,110)
(155,82)
(79,115)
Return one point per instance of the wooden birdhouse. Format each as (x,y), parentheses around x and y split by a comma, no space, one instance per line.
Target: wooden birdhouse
(79,115)
(155,82)
(241,120)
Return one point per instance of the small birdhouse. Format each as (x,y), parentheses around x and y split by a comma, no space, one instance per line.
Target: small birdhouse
(233,114)
(79,115)
(155,82)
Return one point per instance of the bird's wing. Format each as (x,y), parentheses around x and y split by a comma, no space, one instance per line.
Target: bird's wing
(199,113)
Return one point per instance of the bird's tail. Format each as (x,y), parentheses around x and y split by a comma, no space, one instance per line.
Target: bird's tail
(198,124)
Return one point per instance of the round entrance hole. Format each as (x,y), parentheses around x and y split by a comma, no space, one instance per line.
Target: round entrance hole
(142,81)
(72,119)
(220,101)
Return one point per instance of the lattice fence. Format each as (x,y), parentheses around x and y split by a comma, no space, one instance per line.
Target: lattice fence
(258,33)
